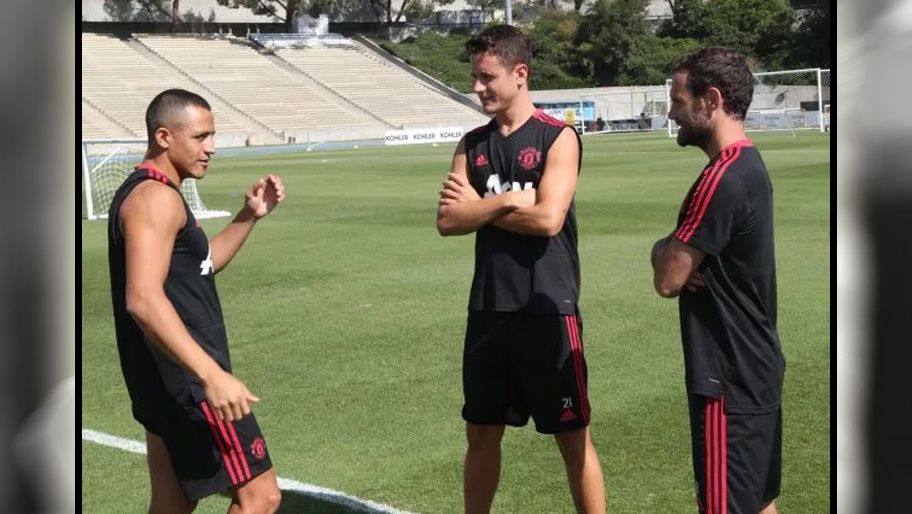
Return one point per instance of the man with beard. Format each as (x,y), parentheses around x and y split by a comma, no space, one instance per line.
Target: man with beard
(720,263)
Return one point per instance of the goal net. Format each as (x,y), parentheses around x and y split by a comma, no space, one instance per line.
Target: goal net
(105,165)
(627,109)
(784,100)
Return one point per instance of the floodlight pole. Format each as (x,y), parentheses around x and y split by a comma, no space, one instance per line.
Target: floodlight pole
(509,8)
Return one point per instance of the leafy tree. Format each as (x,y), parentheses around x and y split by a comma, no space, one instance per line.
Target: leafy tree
(442,57)
(758,28)
(610,32)
(138,10)
(651,63)
(811,47)
(152,10)
(686,20)
(385,11)
(486,6)
(553,39)
(284,10)
(563,5)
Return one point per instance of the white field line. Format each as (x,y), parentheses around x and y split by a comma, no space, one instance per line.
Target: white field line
(286,484)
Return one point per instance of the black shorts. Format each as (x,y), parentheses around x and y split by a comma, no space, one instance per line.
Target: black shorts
(516,365)
(209,455)
(737,458)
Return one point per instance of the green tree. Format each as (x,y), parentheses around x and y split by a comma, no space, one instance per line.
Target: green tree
(686,20)
(421,9)
(152,10)
(138,10)
(486,6)
(553,4)
(442,57)
(811,47)
(284,10)
(387,12)
(556,60)
(609,33)
(758,28)
(651,63)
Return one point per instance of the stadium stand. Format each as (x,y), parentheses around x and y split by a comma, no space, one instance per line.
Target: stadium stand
(367,82)
(234,70)
(259,96)
(118,81)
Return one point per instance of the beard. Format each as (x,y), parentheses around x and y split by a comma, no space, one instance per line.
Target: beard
(693,134)
(695,130)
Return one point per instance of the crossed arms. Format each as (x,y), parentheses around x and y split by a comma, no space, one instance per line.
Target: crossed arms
(675,266)
(541,212)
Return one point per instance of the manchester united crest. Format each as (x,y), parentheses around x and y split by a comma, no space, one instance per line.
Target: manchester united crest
(258,448)
(529,158)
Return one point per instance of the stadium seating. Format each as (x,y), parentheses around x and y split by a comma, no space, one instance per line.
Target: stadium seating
(333,92)
(276,97)
(119,82)
(368,82)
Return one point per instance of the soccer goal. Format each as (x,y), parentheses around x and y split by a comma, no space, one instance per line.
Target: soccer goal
(626,109)
(783,100)
(105,165)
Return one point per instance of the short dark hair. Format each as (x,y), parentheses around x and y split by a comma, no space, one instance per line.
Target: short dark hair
(166,102)
(506,42)
(724,69)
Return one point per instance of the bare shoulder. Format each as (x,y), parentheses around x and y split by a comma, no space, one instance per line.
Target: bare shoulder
(567,140)
(459,164)
(460,147)
(565,149)
(153,205)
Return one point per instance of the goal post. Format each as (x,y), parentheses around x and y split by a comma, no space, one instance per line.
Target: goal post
(626,109)
(105,165)
(784,100)
(824,88)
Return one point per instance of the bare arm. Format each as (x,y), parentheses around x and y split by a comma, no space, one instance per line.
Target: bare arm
(675,265)
(150,219)
(555,192)
(262,197)
(460,210)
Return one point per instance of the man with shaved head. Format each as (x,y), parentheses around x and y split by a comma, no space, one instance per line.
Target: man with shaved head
(201,435)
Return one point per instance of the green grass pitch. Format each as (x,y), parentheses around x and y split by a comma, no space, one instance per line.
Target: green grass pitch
(346,311)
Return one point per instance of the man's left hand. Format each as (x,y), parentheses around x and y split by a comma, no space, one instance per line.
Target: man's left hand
(264,195)
(457,189)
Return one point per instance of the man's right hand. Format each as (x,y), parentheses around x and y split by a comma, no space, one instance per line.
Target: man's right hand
(524,198)
(228,396)
(695,282)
